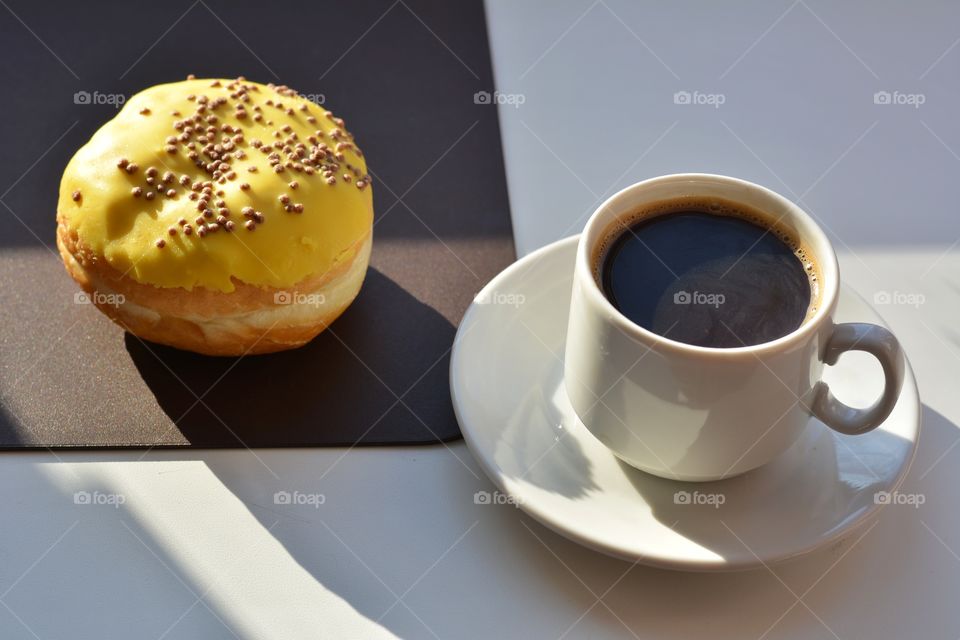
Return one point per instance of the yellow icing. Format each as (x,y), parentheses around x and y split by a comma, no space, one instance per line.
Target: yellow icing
(282,251)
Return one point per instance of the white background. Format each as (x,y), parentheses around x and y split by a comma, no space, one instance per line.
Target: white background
(198,549)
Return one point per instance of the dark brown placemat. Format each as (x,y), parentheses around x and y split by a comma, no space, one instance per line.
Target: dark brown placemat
(403,75)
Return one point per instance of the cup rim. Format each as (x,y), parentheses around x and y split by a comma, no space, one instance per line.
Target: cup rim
(814,236)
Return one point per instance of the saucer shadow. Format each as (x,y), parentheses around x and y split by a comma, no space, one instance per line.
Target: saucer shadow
(570,472)
(340,389)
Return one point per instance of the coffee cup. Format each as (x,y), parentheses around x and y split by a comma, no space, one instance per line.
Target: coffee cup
(696,413)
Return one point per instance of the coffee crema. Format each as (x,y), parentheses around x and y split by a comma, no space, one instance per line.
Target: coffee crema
(708,272)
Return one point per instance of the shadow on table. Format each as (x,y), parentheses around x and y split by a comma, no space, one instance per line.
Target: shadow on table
(391,547)
(379,535)
(82,559)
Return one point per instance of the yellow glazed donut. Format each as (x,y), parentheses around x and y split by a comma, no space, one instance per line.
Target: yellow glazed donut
(220,216)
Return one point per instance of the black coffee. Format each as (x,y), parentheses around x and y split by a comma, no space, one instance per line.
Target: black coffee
(708,273)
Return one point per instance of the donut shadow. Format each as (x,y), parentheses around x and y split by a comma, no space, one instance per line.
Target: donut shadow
(371,378)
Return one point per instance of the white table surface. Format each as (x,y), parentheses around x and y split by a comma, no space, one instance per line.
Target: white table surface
(198,549)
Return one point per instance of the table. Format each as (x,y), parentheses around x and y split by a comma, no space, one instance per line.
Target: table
(389,542)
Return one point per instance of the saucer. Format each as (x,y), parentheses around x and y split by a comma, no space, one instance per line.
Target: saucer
(506,380)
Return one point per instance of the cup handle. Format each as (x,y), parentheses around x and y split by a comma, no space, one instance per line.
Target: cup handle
(876,340)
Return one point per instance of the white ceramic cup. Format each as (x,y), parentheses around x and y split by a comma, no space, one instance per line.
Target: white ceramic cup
(696,413)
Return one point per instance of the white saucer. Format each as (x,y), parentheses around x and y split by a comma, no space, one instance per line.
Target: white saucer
(506,379)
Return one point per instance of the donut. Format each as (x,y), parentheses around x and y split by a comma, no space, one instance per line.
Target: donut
(219,216)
